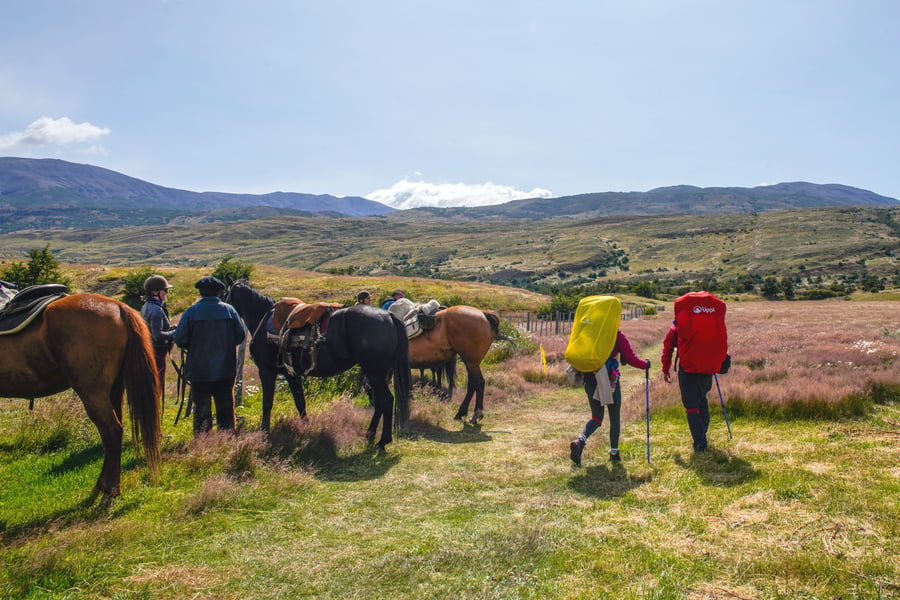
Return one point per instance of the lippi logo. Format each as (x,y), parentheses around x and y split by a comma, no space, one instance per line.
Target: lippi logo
(704,309)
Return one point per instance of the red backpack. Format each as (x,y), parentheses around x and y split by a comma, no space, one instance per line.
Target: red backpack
(702,336)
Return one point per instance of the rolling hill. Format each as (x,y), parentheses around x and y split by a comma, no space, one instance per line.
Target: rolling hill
(38,194)
(50,193)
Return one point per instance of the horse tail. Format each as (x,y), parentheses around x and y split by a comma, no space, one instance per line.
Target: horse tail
(494,320)
(401,375)
(142,389)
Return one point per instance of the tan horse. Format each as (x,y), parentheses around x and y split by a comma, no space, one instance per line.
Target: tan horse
(99,347)
(462,331)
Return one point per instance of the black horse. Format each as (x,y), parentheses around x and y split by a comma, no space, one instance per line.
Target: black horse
(358,335)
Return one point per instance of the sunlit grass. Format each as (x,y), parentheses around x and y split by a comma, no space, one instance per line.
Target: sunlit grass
(788,508)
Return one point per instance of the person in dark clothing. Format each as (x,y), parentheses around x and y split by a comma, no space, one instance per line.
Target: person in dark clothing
(156,315)
(210,330)
(364,297)
(623,350)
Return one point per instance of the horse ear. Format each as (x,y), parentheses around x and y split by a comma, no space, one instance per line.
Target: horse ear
(229,281)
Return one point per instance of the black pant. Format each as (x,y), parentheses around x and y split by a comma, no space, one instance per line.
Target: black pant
(223,393)
(615,423)
(159,354)
(694,387)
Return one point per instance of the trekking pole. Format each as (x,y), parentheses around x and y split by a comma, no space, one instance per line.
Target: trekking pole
(724,412)
(647,396)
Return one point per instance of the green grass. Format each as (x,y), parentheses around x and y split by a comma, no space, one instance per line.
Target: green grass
(787,509)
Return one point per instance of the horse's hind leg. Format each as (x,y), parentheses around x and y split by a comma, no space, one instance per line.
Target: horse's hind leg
(103,410)
(478,414)
(383,401)
(474,387)
(296,386)
(267,383)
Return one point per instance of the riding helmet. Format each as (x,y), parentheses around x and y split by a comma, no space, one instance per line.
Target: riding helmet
(156,283)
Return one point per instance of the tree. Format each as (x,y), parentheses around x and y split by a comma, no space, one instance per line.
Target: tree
(235,269)
(769,288)
(787,287)
(646,289)
(871,283)
(42,267)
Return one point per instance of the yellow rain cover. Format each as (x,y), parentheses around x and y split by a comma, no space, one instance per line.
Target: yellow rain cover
(593,332)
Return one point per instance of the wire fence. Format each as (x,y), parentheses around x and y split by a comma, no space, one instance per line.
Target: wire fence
(557,322)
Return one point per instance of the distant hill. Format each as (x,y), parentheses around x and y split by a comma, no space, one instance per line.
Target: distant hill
(50,193)
(682,199)
(41,194)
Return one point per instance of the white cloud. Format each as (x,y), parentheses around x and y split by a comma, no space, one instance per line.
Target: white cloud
(414,194)
(53,132)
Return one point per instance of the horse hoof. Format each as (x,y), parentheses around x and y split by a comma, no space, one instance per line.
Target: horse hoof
(370,438)
(459,417)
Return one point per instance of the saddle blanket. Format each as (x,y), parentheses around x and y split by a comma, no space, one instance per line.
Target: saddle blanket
(294,314)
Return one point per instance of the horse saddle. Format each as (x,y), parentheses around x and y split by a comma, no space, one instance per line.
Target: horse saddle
(26,305)
(298,327)
(416,317)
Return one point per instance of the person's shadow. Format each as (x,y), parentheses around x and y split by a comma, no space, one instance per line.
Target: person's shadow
(718,468)
(610,480)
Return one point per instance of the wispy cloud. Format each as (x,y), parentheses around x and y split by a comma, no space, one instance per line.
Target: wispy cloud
(414,194)
(52,132)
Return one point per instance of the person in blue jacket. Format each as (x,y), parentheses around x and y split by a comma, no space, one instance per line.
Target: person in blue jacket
(394,297)
(210,330)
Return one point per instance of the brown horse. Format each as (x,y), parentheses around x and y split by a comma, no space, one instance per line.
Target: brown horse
(99,347)
(462,331)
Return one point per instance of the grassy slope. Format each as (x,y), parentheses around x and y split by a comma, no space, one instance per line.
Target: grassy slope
(822,241)
(785,510)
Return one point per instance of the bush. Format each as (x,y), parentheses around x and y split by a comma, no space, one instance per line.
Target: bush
(133,287)
(229,267)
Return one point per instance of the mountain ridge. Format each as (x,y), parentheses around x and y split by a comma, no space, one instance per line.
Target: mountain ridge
(57,184)
(41,194)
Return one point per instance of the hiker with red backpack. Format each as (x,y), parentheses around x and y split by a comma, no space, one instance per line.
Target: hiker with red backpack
(700,335)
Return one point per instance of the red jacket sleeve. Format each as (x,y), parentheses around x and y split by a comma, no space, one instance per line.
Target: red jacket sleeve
(669,344)
(623,348)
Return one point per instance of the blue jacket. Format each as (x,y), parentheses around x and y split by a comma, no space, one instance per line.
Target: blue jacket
(210,330)
(157,317)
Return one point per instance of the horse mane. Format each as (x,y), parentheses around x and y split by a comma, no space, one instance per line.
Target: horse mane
(255,295)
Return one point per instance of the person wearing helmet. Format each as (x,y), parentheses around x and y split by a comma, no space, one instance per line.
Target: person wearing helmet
(155,313)
(210,330)
(364,297)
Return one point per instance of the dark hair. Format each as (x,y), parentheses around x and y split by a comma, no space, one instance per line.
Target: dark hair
(363,295)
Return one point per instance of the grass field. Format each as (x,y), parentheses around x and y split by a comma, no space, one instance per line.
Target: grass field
(801,503)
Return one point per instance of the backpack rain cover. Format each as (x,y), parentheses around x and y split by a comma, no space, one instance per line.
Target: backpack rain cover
(702,337)
(594,332)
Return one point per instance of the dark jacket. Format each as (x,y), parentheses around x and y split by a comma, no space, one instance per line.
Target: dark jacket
(157,317)
(210,330)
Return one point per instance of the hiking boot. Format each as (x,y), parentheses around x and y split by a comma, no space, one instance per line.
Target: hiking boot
(575,450)
(614,456)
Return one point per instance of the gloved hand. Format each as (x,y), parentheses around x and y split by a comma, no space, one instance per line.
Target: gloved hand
(648,364)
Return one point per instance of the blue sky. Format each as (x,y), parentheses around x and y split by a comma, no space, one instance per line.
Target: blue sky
(462,102)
